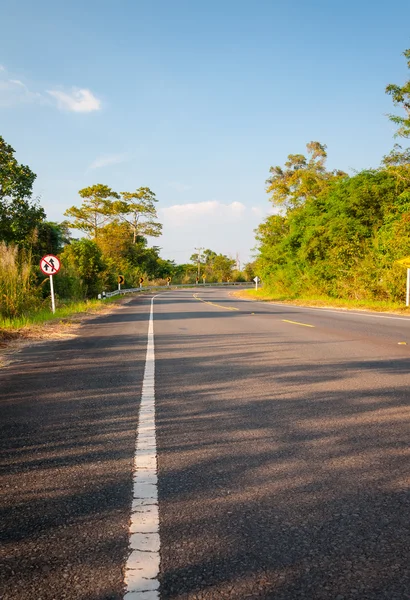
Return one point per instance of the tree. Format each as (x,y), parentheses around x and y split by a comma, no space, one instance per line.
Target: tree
(214,266)
(401,97)
(271,235)
(96,210)
(203,258)
(209,256)
(138,210)
(115,241)
(342,243)
(249,270)
(222,267)
(187,272)
(397,157)
(19,214)
(84,259)
(302,178)
(50,238)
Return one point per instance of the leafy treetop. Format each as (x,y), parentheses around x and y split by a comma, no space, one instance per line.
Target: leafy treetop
(301,178)
(137,209)
(401,97)
(95,211)
(19,214)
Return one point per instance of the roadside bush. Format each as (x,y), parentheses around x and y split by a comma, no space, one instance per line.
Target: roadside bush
(18,292)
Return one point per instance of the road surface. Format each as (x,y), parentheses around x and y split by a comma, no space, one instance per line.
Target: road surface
(282,444)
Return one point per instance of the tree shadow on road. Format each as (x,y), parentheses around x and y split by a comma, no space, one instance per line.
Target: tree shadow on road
(282,478)
(67,437)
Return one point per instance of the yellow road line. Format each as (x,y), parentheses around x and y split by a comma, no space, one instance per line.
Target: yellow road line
(213,304)
(296,323)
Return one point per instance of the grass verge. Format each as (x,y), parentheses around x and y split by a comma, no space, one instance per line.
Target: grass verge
(265,295)
(23,326)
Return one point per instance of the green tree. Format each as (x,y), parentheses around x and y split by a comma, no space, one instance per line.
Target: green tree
(187,272)
(301,178)
(397,157)
(249,271)
(96,209)
(115,242)
(84,260)
(215,267)
(138,210)
(222,267)
(401,97)
(342,243)
(204,258)
(50,238)
(19,213)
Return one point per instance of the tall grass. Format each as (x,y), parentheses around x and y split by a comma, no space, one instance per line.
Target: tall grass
(64,311)
(18,292)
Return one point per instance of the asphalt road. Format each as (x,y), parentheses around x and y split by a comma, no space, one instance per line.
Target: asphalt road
(283,453)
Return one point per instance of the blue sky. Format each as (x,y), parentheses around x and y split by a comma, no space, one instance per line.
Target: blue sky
(195,100)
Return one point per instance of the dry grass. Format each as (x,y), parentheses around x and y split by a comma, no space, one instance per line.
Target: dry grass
(18,334)
(18,292)
(264,295)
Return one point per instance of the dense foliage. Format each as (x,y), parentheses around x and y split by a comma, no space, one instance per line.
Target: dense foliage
(116,226)
(337,235)
(19,214)
(342,242)
(332,234)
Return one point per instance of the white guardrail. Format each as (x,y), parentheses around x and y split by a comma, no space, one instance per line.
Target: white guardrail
(180,285)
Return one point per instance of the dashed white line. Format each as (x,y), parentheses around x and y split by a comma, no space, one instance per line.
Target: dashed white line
(142,568)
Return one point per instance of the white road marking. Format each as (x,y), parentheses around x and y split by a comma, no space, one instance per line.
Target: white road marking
(142,568)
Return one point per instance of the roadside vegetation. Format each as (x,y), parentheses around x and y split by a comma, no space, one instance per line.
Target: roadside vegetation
(267,295)
(334,237)
(114,229)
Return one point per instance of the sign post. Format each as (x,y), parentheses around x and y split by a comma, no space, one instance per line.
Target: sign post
(256,280)
(405,262)
(53,300)
(50,265)
(168,281)
(121,279)
(141,282)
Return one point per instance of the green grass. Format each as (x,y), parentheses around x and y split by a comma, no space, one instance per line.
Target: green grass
(267,295)
(62,312)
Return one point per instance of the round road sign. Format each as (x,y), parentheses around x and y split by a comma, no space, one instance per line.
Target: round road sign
(49,264)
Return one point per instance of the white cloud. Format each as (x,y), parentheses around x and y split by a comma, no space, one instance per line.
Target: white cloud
(183,214)
(223,227)
(263,213)
(78,100)
(107,160)
(14,91)
(258,211)
(178,187)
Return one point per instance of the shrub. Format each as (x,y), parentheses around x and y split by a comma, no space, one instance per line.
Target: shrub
(18,292)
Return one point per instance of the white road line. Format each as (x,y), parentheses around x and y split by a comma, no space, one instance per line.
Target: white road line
(142,568)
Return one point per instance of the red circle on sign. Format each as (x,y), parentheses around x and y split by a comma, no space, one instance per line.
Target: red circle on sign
(50,264)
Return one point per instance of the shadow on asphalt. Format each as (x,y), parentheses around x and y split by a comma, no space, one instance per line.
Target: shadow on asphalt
(281,480)
(67,436)
(278,480)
